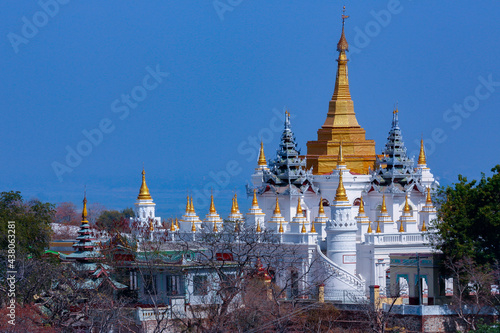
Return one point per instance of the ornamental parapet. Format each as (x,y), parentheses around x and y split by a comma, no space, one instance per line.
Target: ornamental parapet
(399,238)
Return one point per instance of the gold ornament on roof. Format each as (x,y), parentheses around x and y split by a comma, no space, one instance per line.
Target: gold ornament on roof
(424,227)
(255,203)
(407,206)
(313,229)
(342,45)
(280,230)
(341,194)
(369,228)
(262,157)
(212,206)
(188,206)
(299,208)
(361,206)
(421,156)
(321,210)
(428,200)
(258,228)
(384,207)
(378,227)
(172,225)
(193,228)
(144,191)
(191,209)
(176,223)
(277,208)
(303,230)
(84,210)
(401,227)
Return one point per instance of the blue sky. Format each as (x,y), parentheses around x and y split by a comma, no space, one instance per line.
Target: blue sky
(223,73)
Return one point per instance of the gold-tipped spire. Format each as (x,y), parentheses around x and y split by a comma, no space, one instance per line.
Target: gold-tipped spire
(303,230)
(421,156)
(424,227)
(191,208)
(176,223)
(84,210)
(341,195)
(233,207)
(340,160)
(215,227)
(188,206)
(361,206)
(299,208)
(428,200)
(401,227)
(255,203)
(378,228)
(236,202)
(172,225)
(321,209)
(144,191)
(151,227)
(342,45)
(258,228)
(262,157)
(313,229)
(277,208)
(407,206)
(384,207)
(369,228)
(212,206)
(280,230)
(193,228)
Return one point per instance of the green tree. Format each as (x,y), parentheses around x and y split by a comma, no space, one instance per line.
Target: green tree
(469,219)
(32,223)
(113,220)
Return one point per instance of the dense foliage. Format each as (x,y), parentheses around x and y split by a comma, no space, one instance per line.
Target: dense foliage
(469,219)
(32,223)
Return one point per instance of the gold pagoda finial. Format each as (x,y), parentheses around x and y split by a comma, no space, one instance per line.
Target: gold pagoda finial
(407,206)
(277,208)
(188,206)
(341,156)
(233,207)
(341,195)
(428,200)
(258,227)
(215,227)
(303,230)
(193,228)
(421,156)
(369,228)
(212,206)
(191,209)
(342,45)
(378,228)
(84,210)
(262,157)
(361,206)
(313,229)
(321,209)
(280,230)
(424,227)
(299,208)
(255,203)
(151,227)
(384,207)
(172,225)
(144,191)
(236,202)
(176,223)
(401,227)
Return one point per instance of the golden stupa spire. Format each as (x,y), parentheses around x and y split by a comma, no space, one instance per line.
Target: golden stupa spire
(369,228)
(361,206)
(212,206)
(424,227)
(421,156)
(188,206)
(191,208)
(299,208)
(236,202)
(321,209)
(144,191)
(313,229)
(151,227)
(84,210)
(258,228)
(172,225)
(303,230)
(176,223)
(378,228)
(215,227)
(384,207)
(193,228)
(401,227)
(341,110)
(428,200)
(407,206)
(277,208)
(341,195)
(255,203)
(340,160)
(262,157)
(280,230)
(233,207)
